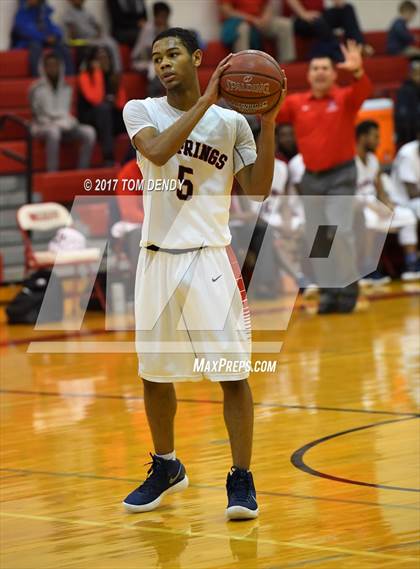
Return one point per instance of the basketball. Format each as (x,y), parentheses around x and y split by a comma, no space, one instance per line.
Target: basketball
(253,83)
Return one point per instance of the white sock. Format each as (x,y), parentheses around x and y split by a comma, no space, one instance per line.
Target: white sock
(168,456)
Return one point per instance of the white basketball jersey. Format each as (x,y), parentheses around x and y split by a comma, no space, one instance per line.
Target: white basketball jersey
(367,174)
(406,169)
(186,201)
(296,167)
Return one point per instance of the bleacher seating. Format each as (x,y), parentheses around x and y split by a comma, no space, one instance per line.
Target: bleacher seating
(68,155)
(387,73)
(64,186)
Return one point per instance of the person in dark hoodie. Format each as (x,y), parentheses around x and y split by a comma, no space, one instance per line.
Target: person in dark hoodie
(127,17)
(400,40)
(407,106)
(51,99)
(34,29)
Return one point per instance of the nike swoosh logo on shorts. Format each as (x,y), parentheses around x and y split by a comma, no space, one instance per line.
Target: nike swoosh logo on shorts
(216,279)
(172,480)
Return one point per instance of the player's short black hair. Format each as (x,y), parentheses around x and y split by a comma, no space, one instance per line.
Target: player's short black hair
(365,127)
(407,6)
(188,38)
(159,7)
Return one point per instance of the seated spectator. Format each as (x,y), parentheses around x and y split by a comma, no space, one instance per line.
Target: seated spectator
(407,105)
(141,56)
(34,30)
(102,98)
(84,30)
(400,40)
(127,17)
(376,218)
(313,20)
(51,99)
(246,23)
(406,175)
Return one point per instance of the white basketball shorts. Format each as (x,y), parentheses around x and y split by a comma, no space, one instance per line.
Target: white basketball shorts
(192,316)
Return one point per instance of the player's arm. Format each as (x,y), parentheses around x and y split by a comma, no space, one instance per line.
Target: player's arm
(413,190)
(381,192)
(159,147)
(407,175)
(256,179)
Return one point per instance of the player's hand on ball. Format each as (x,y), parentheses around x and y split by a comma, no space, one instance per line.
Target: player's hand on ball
(271,115)
(212,92)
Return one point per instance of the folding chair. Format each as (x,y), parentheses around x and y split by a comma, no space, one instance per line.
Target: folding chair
(48,216)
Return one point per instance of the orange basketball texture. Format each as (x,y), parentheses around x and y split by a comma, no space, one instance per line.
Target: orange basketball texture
(253,82)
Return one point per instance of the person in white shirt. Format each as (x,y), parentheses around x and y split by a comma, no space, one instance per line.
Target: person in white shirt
(406,175)
(395,217)
(187,293)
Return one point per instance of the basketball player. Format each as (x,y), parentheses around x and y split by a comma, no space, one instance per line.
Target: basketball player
(371,185)
(185,283)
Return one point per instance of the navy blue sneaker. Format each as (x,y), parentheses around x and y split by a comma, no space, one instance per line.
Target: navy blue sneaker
(412,273)
(242,503)
(375,279)
(163,477)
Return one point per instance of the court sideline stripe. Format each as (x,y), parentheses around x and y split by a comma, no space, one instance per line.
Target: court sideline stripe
(87,476)
(210,401)
(199,534)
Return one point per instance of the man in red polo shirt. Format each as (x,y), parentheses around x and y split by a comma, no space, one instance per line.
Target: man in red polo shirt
(323,119)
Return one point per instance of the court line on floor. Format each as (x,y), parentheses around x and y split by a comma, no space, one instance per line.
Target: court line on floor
(198,534)
(209,401)
(207,487)
(298,462)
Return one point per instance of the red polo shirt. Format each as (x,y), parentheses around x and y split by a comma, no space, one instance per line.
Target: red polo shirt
(324,128)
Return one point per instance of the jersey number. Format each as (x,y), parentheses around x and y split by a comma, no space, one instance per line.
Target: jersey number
(185,191)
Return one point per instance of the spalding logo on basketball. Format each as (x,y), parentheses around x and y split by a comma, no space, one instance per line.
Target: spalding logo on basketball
(253,83)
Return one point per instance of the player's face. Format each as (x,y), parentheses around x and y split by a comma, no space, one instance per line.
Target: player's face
(321,74)
(174,65)
(286,139)
(372,140)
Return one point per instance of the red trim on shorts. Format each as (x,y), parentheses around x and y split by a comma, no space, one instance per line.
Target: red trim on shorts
(241,286)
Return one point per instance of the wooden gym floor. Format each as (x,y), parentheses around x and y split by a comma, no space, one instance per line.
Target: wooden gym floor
(335,459)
